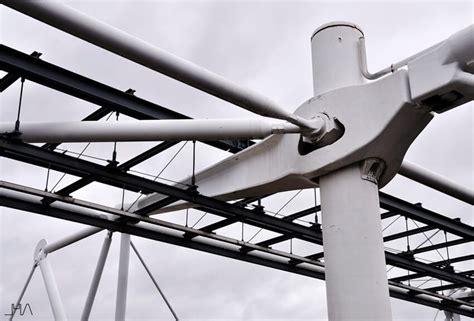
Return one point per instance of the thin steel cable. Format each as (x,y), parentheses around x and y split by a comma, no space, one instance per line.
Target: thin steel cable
(154,281)
(396,219)
(159,178)
(83,155)
(426,281)
(428,239)
(278,212)
(64,175)
(414,222)
(199,220)
(161,172)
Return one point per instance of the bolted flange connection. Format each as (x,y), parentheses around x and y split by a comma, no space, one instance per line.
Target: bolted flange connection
(328,130)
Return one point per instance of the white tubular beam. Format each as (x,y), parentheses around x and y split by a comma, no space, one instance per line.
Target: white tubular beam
(122,284)
(436,181)
(18,302)
(50,282)
(149,130)
(71,239)
(112,39)
(96,278)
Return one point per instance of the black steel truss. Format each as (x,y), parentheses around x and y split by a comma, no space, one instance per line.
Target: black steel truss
(412,295)
(54,77)
(20,65)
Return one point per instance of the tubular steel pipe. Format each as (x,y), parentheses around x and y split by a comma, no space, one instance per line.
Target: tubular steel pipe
(52,288)
(96,278)
(149,130)
(51,247)
(112,39)
(30,275)
(393,67)
(436,181)
(122,284)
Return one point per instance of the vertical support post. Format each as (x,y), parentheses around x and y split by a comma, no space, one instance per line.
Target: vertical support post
(96,278)
(50,282)
(356,280)
(122,284)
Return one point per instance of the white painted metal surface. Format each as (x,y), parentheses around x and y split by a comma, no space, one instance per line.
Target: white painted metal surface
(154,130)
(110,38)
(96,278)
(356,278)
(50,282)
(324,44)
(122,284)
(73,238)
(436,181)
(380,119)
(354,259)
(23,290)
(445,76)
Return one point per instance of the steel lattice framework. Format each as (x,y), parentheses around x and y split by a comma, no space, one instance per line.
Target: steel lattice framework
(20,65)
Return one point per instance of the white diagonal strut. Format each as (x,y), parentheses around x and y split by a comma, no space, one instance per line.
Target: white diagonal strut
(112,39)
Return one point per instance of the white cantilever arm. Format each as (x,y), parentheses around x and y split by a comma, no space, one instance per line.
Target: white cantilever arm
(149,130)
(112,39)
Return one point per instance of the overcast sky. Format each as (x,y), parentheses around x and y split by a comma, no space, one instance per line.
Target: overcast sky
(264,46)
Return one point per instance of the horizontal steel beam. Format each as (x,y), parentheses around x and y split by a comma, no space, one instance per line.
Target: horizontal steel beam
(110,175)
(443,287)
(271,241)
(452,260)
(10,78)
(426,216)
(303,213)
(414,231)
(67,190)
(439,246)
(54,77)
(114,225)
(426,269)
(132,229)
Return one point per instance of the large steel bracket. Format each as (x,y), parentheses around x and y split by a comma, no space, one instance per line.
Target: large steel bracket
(379,120)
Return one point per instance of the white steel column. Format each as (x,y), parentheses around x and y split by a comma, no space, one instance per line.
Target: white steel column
(356,279)
(50,282)
(122,284)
